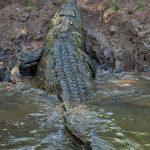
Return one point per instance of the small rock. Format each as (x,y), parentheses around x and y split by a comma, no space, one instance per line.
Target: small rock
(113,30)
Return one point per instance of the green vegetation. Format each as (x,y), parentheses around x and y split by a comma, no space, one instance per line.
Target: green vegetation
(115,6)
(140,6)
(113,9)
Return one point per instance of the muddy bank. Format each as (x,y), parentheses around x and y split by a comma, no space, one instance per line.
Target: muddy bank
(23,25)
(125,25)
(106,25)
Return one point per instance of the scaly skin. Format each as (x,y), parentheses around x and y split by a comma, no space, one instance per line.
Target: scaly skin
(64,66)
(64,70)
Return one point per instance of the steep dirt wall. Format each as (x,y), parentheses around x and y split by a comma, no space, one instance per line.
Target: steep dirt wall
(126,25)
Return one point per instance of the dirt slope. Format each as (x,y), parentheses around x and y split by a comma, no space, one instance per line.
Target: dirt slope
(126,25)
(117,32)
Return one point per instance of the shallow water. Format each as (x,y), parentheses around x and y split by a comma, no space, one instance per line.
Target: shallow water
(126,107)
(32,120)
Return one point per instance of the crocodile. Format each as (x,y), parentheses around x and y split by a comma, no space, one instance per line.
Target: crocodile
(65,70)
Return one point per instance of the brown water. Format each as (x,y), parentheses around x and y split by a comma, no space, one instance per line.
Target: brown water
(32,120)
(125,101)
